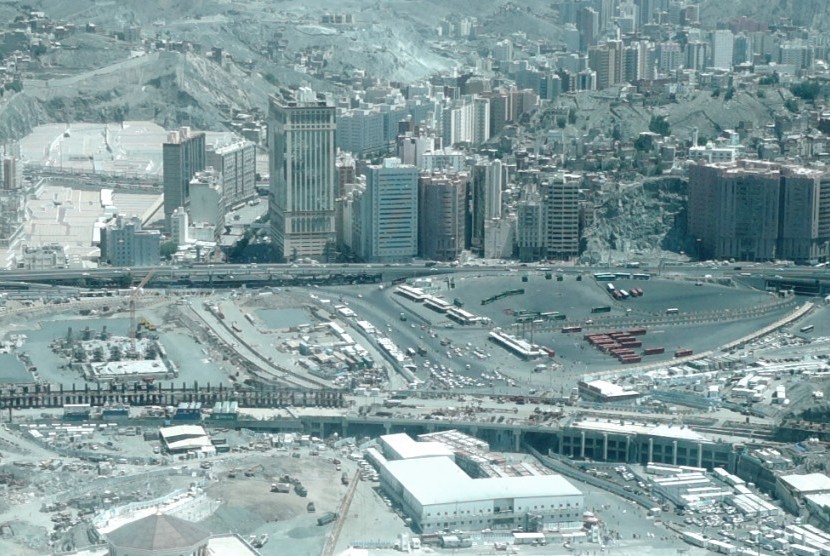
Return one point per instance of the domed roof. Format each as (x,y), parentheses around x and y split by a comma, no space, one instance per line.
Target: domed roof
(158,532)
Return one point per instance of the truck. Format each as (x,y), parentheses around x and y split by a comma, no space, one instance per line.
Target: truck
(326,518)
(654,351)
(403,316)
(683,353)
(281,487)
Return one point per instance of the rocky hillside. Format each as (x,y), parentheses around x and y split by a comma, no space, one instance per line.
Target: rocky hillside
(647,219)
(810,13)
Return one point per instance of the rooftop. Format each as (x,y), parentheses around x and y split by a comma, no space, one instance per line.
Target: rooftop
(407,448)
(667,431)
(807,484)
(439,480)
(158,532)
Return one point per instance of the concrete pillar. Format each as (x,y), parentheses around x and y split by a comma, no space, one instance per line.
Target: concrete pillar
(627,449)
(674,452)
(605,446)
(699,454)
(387,427)
(517,440)
(650,450)
(582,445)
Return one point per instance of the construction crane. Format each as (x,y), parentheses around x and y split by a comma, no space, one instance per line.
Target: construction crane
(136,292)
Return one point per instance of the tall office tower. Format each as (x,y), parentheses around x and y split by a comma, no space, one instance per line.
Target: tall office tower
(723,44)
(607,11)
(606,61)
(697,52)
(530,230)
(670,56)
(646,10)
(441,215)
(182,156)
(588,24)
(805,215)
(387,213)
(481,120)
(631,62)
(501,107)
(486,186)
(303,178)
(734,211)
(742,49)
(12,176)
(503,51)
(571,36)
(236,165)
(561,213)
(346,171)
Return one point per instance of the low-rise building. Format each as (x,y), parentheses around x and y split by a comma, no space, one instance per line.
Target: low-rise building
(436,494)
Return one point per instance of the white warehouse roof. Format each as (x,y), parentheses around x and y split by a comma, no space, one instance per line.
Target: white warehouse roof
(440,481)
(808,483)
(404,447)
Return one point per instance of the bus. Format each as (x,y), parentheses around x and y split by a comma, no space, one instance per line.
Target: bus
(805,329)
(603,309)
(672,311)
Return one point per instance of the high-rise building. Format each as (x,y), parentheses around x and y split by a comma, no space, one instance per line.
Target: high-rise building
(12,177)
(236,165)
(804,233)
(303,178)
(481,120)
(386,222)
(441,214)
(486,187)
(561,213)
(124,243)
(734,210)
(530,230)
(697,52)
(670,56)
(606,60)
(182,156)
(178,226)
(361,131)
(723,44)
(588,24)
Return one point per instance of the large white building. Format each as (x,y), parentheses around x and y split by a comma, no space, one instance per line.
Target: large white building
(438,495)
(386,229)
(723,46)
(236,165)
(304,178)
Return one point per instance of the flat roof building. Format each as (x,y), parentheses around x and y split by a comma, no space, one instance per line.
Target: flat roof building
(186,438)
(605,391)
(402,446)
(438,495)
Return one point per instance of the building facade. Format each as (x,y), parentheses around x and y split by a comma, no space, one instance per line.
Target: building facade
(561,213)
(759,211)
(182,156)
(442,214)
(304,179)
(124,243)
(388,213)
(236,165)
